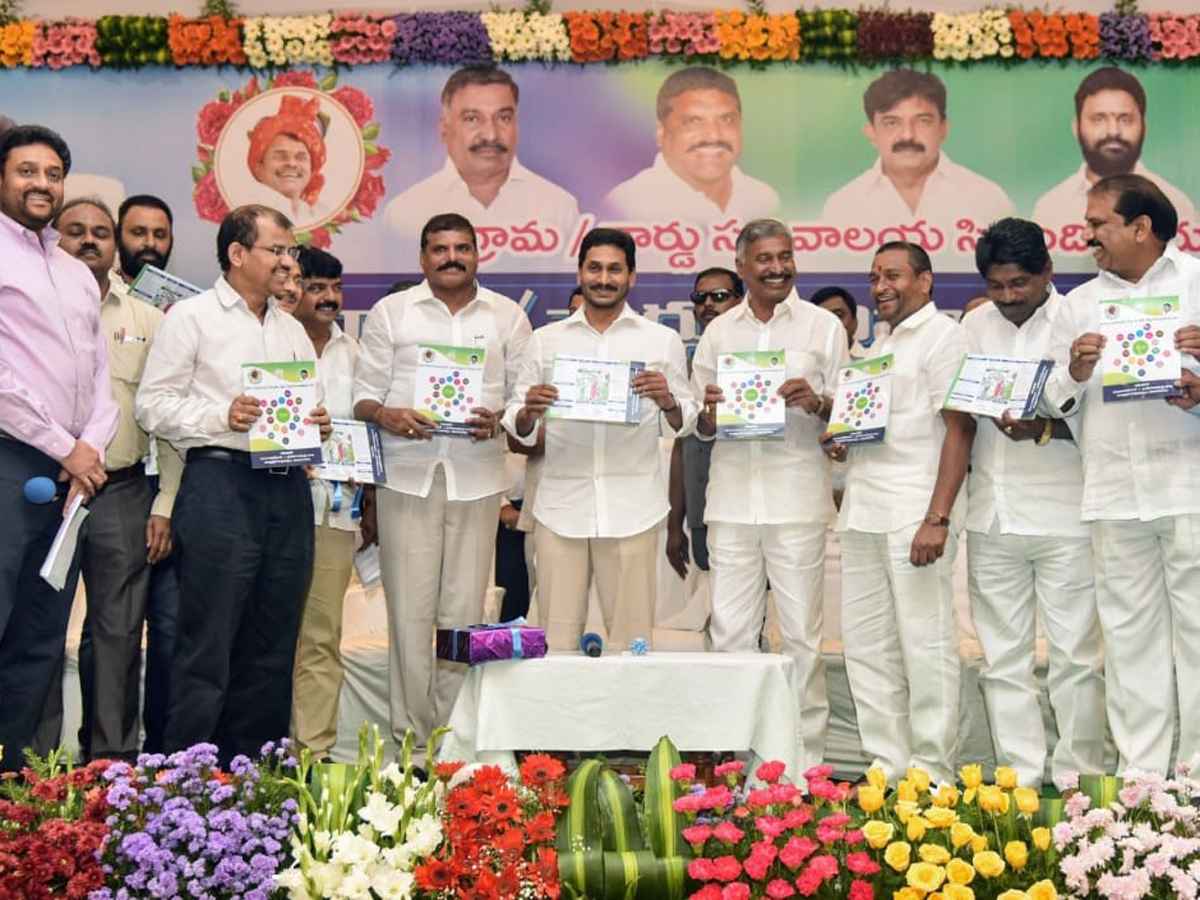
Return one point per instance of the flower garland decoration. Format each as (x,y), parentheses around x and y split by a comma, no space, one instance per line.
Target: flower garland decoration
(518,36)
(972,36)
(287,40)
(16,44)
(129,41)
(1125,37)
(608,36)
(1174,37)
(70,42)
(829,34)
(357,39)
(446,38)
(207,41)
(684,34)
(886,36)
(758,37)
(1055,36)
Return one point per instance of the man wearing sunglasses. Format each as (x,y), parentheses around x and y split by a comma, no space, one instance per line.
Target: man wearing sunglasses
(244,535)
(770,502)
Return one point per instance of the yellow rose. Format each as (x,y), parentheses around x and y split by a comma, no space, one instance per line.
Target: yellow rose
(1016,853)
(870,799)
(906,790)
(1041,838)
(969,796)
(1043,890)
(988,864)
(993,799)
(959,871)
(876,778)
(915,830)
(1006,777)
(898,855)
(919,779)
(905,810)
(934,853)
(979,843)
(946,797)
(878,833)
(961,834)
(925,877)
(972,776)
(957,892)
(940,818)
(1027,800)
(1013,895)
(906,893)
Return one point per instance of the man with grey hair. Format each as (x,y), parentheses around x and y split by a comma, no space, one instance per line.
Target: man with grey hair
(752,537)
(482,178)
(695,176)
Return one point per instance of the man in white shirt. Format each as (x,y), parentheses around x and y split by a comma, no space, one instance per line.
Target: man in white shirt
(1141,486)
(243,535)
(1110,125)
(1030,557)
(913,180)
(899,533)
(317,679)
(770,503)
(438,512)
(482,178)
(602,498)
(695,177)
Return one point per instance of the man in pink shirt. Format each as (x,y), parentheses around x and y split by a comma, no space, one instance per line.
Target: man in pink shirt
(57,414)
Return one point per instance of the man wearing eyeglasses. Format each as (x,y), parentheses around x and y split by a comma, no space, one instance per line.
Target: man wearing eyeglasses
(244,536)
(770,502)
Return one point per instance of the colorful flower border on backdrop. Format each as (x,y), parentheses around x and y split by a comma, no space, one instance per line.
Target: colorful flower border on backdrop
(866,36)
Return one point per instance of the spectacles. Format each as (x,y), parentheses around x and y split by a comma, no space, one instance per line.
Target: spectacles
(293,252)
(702,297)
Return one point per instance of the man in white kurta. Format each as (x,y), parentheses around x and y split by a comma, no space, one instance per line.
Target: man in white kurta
(602,498)
(437,512)
(769,502)
(1141,484)
(1029,555)
(899,530)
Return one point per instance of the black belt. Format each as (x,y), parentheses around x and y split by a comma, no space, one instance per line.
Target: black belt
(234,457)
(137,470)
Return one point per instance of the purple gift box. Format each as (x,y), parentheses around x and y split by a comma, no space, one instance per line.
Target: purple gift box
(484,643)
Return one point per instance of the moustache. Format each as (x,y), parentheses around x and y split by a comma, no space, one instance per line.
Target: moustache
(327,306)
(704,145)
(1115,142)
(900,146)
(1094,243)
(488,145)
(447,266)
(88,248)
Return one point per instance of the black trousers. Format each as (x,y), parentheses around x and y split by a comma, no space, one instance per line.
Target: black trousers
(511,572)
(244,539)
(33,616)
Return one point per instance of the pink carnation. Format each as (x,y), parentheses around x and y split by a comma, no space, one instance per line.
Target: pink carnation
(861,864)
(821,771)
(798,817)
(683,772)
(736,891)
(824,864)
(808,883)
(728,832)
(765,849)
(726,868)
(697,834)
(770,771)
(769,826)
(729,768)
(757,867)
(701,869)
(708,892)
(780,889)
(861,890)
(796,851)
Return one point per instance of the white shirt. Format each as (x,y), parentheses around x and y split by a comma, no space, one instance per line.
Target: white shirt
(599,479)
(194,370)
(1065,203)
(1139,456)
(754,482)
(659,194)
(524,199)
(386,373)
(889,485)
(1023,488)
(335,372)
(951,192)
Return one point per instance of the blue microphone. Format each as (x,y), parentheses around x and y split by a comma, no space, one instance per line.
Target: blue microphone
(591,644)
(40,490)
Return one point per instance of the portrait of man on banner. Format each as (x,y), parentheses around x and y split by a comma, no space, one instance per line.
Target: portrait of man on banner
(913,180)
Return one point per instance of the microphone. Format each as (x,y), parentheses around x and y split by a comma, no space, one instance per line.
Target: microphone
(590,644)
(40,490)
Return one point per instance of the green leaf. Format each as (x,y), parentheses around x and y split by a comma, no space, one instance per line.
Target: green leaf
(642,874)
(223,96)
(618,813)
(370,131)
(580,827)
(329,82)
(1103,789)
(582,874)
(664,824)
(370,147)
(198,172)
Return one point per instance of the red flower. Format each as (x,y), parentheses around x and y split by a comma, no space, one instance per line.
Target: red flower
(211,120)
(770,771)
(708,892)
(435,875)
(446,770)
(486,887)
(796,851)
(540,828)
(503,806)
(464,802)
(861,890)
(538,769)
(378,160)
(210,205)
(489,778)
(510,842)
(861,864)
(295,79)
(357,103)
(509,883)
(736,891)
(779,889)
(726,868)
(321,238)
(701,869)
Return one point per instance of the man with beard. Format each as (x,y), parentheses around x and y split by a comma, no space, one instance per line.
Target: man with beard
(1110,126)
(145,235)
(602,498)
(129,526)
(243,535)
(1141,484)
(770,503)
(57,414)
(438,510)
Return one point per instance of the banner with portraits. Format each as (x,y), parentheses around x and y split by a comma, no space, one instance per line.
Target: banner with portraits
(680,156)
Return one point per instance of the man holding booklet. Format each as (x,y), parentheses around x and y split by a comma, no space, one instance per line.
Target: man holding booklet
(436,364)
(609,382)
(1119,343)
(765,370)
(1029,556)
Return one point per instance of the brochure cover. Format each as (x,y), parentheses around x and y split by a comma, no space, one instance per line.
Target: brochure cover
(283,434)
(862,401)
(752,408)
(449,382)
(1139,360)
(596,390)
(990,385)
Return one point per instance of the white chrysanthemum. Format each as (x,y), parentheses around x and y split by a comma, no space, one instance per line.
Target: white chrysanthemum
(392,885)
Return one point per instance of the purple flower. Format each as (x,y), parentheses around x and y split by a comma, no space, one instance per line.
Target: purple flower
(449,38)
(1125,37)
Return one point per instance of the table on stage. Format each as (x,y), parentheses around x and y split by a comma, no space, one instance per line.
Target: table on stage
(701,701)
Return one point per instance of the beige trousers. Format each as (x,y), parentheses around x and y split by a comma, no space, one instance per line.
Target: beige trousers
(626,571)
(435,557)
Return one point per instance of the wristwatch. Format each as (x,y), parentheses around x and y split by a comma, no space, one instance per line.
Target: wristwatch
(932,518)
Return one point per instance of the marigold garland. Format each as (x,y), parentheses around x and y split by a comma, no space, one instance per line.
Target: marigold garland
(1055,36)
(608,36)
(758,38)
(16,44)
(208,41)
